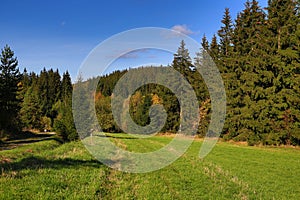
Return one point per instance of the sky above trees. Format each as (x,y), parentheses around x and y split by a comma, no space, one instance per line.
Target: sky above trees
(60,34)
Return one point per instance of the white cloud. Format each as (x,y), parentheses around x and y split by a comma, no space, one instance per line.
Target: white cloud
(129,53)
(182,29)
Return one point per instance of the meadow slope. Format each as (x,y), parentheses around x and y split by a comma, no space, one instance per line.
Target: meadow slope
(49,170)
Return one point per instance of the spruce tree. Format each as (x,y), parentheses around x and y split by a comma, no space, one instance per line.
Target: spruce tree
(204,43)
(249,64)
(214,50)
(66,86)
(226,44)
(31,111)
(64,122)
(182,61)
(283,27)
(183,64)
(43,88)
(10,78)
(84,118)
(225,34)
(54,92)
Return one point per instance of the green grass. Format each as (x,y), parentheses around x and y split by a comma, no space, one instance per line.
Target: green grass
(49,170)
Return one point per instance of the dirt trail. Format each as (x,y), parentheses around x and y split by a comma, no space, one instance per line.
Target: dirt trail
(24,139)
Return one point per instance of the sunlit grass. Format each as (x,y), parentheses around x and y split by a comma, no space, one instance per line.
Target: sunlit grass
(49,170)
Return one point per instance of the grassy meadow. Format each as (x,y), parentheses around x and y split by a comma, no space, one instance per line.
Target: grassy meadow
(48,169)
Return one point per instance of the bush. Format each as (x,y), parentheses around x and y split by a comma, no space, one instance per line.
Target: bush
(295,140)
(253,139)
(65,132)
(241,137)
(46,123)
(61,130)
(272,139)
(72,134)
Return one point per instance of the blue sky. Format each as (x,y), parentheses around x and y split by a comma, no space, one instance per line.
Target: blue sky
(60,34)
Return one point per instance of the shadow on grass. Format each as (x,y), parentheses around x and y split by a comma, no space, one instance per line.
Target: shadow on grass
(26,138)
(35,162)
(27,135)
(33,140)
(117,137)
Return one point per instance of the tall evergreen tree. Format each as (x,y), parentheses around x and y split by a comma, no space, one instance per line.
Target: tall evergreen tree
(204,43)
(43,88)
(64,122)
(226,44)
(31,111)
(9,86)
(225,34)
(66,86)
(250,63)
(283,27)
(182,61)
(214,50)
(25,83)
(54,92)
(82,110)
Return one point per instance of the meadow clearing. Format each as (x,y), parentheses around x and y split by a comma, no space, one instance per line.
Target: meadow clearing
(50,170)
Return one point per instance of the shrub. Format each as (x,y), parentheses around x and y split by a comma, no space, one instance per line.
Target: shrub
(61,130)
(253,139)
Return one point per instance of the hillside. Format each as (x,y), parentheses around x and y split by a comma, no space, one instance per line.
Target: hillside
(48,170)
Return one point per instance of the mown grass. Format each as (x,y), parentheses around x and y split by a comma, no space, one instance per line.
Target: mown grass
(49,170)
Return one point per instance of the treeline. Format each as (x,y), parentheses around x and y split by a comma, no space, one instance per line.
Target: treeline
(144,97)
(258,55)
(30,101)
(47,103)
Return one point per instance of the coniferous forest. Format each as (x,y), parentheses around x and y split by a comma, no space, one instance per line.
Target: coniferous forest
(257,53)
(34,102)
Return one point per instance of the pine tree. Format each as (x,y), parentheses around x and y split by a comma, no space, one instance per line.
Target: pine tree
(183,64)
(226,44)
(43,88)
(245,98)
(83,112)
(25,83)
(182,61)
(31,111)
(10,78)
(203,60)
(225,34)
(204,43)
(54,92)
(64,122)
(247,30)
(283,27)
(66,86)
(214,50)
